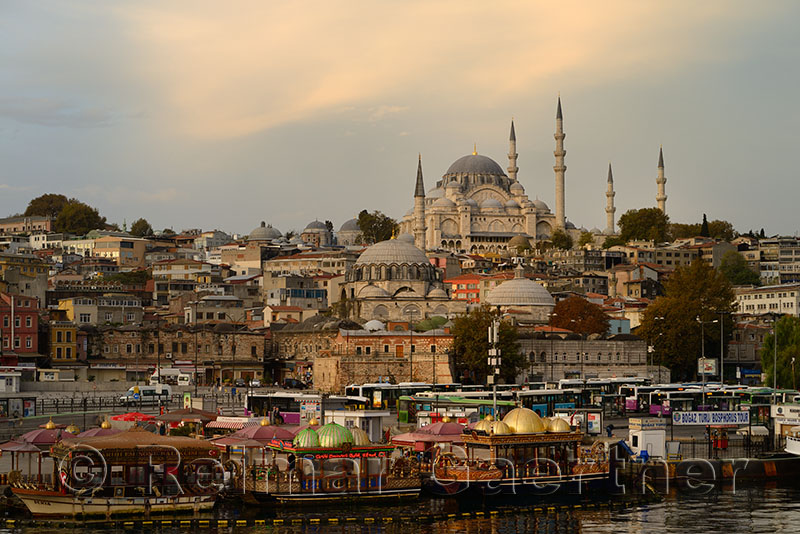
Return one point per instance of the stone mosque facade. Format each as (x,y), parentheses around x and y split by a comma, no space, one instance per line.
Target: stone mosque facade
(477,208)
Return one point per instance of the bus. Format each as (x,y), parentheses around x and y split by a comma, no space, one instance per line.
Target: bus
(425,408)
(294,408)
(385,396)
(545,402)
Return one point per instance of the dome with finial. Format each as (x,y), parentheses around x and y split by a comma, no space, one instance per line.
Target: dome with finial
(73,429)
(105,424)
(360,438)
(306,439)
(393,251)
(484,425)
(520,291)
(499,428)
(333,436)
(475,164)
(313,421)
(524,421)
(264,232)
(264,421)
(557,424)
(50,425)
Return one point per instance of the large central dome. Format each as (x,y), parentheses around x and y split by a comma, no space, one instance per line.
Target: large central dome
(475,164)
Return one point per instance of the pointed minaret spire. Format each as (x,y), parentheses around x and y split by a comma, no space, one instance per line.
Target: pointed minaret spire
(419,190)
(419,208)
(661,180)
(610,209)
(560,168)
(512,154)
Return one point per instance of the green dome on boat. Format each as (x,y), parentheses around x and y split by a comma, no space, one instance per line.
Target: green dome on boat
(332,436)
(306,439)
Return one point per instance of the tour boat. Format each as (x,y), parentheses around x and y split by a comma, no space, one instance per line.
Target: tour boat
(522,454)
(132,472)
(793,441)
(331,464)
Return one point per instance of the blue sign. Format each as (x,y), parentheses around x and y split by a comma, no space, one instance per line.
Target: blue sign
(711,418)
(135,396)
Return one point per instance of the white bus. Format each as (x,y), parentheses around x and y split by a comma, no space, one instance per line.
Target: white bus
(171,375)
(148,395)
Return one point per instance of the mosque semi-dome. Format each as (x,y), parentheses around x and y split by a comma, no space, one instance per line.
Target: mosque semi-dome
(436,192)
(540,205)
(519,241)
(437,293)
(516,188)
(491,204)
(475,164)
(511,203)
(397,251)
(334,435)
(524,421)
(520,291)
(372,291)
(444,202)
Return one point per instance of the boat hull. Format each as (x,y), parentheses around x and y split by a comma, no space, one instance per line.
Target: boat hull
(42,503)
(333,498)
(528,486)
(792,445)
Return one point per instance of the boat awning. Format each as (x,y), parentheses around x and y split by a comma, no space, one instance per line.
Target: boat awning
(231,425)
(755,430)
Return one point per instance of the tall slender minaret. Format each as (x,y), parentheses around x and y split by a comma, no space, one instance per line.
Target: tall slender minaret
(512,154)
(610,209)
(419,209)
(560,168)
(661,197)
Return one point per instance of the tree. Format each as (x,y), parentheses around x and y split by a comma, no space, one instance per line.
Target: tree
(47,205)
(579,315)
(585,239)
(646,224)
(471,347)
(704,232)
(613,241)
(290,234)
(329,227)
(788,338)
(78,218)
(376,227)
(141,228)
(561,239)
(168,231)
(717,229)
(735,269)
(693,293)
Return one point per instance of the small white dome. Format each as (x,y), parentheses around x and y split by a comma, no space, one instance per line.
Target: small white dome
(517,189)
(472,202)
(350,226)
(520,292)
(540,205)
(596,230)
(491,204)
(374,325)
(511,203)
(371,291)
(444,203)
(436,192)
(569,226)
(437,293)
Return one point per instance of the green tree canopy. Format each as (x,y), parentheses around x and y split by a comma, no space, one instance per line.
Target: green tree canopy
(579,315)
(646,224)
(471,347)
(561,239)
(141,228)
(47,205)
(376,226)
(585,239)
(788,328)
(717,229)
(613,241)
(735,269)
(167,231)
(671,325)
(78,218)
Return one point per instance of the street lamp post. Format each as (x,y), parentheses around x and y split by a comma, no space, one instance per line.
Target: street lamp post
(703,353)
(410,313)
(194,320)
(494,360)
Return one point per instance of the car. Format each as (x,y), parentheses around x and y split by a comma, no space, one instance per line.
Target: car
(293,383)
(255,383)
(239,383)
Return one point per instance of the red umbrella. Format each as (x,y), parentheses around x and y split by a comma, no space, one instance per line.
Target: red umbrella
(45,436)
(263,434)
(99,431)
(18,446)
(133,416)
(442,429)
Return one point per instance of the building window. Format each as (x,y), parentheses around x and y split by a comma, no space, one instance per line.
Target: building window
(413,348)
(28,322)
(175,346)
(128,348)
(59,334)
(433,349)
(358,350)
(109,316)
(151,348)
(5,321)
(58,353)
(69,336)
(367,349)
(85,318)
(386,348)
(17,322)
(184,348)
(68,353)
(131,317)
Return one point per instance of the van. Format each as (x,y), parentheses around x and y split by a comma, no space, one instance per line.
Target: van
(171,375)
(148,395)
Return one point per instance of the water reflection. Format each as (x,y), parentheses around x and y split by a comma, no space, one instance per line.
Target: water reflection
(760,508)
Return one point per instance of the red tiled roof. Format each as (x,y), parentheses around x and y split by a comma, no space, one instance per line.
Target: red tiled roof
(285,308)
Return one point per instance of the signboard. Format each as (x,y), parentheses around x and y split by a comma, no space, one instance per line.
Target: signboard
(593,422)
(377,399)
(647,423)
(711,418)
(187,400)
(707,366)
(785,411)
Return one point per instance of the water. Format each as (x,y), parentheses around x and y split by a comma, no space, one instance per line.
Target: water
(751,508)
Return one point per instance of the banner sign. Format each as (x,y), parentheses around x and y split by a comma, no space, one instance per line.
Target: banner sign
(711,418)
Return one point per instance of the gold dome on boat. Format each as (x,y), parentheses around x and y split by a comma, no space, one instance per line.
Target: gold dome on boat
(484,424)
(265,422)
(558,424)
(50,425)
(499,428)
(73,429)
(524,421)
(105,424)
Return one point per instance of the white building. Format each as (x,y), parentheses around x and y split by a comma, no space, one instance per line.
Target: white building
(783,299)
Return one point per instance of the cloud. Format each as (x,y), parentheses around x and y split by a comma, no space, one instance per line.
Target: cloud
(218,72)
(52,112)
(7,187)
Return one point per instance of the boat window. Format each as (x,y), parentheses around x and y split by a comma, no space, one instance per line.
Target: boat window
(117,476)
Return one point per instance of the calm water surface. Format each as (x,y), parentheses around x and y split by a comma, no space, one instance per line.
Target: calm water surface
(753,508)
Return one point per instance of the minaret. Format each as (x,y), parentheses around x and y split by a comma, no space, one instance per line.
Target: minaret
(560,168)
(512,154)
(610,209)
(661,197)
(419,209)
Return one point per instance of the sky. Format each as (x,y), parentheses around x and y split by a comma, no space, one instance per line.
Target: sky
(205,114)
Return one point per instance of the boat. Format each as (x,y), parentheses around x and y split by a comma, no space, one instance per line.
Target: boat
(331,464)
(793,441)
(132,472)
(522,454)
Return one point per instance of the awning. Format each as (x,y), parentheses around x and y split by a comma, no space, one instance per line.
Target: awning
(231,425)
